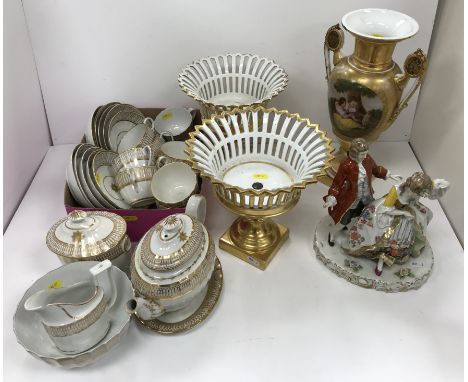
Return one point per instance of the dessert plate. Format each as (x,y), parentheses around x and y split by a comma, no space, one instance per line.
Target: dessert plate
(31,334)
(87,175)
(102,176)
(77,158)
(86,186)
(99,140)
(106,122)
(120,124)
(72,182)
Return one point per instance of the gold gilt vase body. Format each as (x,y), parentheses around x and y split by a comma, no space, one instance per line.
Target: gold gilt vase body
(365,89)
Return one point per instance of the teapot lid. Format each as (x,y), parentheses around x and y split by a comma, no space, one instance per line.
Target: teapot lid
(172,242)
(86,234)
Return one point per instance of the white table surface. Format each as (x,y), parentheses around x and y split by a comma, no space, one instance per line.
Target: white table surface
(296,321)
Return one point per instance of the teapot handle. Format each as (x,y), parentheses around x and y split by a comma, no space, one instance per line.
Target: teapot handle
(196,207)
(334,40)
(96,271)
(415,66)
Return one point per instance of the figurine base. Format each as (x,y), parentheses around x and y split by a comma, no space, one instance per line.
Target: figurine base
(361,271)
(259,259)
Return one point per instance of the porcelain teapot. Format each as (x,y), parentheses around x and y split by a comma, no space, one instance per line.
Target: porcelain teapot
(173,263)
(76,317)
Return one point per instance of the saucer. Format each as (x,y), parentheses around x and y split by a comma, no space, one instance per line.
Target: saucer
(187,319)
(31,334)
(102,175)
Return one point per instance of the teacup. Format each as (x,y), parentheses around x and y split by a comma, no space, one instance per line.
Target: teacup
(176,121)
(134,184)
(134,157)
(173,184)
(171,152)
(140,135)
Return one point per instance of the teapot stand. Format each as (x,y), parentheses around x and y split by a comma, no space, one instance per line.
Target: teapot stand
(360,271)
(215,285)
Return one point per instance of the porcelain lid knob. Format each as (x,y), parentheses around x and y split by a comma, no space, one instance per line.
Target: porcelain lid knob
(171,226)
(79,220)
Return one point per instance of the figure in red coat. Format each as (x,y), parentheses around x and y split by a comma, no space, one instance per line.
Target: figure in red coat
(351,189)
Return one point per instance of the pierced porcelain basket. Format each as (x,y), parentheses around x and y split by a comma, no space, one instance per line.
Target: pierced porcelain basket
(258,161)
(225,82)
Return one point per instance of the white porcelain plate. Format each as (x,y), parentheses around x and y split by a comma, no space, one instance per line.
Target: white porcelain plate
(102,175)
(31,334)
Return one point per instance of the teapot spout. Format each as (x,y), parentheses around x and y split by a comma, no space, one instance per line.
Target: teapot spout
(144,309)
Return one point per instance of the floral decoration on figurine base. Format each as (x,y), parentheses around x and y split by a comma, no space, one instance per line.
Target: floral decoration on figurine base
(361,271)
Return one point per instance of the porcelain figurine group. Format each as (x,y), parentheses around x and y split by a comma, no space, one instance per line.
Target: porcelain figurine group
(386,231)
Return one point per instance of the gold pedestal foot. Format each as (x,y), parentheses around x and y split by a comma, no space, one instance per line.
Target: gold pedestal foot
(256,241)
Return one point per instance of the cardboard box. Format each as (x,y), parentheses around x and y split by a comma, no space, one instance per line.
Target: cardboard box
(139,221)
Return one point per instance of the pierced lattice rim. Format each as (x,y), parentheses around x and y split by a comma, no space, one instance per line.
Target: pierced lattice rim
(250,191)
(209,104)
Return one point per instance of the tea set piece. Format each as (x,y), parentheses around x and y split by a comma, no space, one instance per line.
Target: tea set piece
(89,127)
(172,151)
(90,236)
(175,121)
(83,175)
(139,136)
(120,124)
(258,161)
(134,185)
(366,88)
(134,157)
(76,316)
(80,308)
(103,178)
(171,271)
(73,181)
(225,82)
(173,184)
(88,175)
(99,121)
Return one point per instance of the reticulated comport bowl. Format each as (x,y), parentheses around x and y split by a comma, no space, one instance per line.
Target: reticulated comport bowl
(225,82)
(258,161)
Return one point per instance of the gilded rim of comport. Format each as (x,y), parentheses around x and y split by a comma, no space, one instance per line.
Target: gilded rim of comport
(106,246)
(194,241)
(251,192)
(176,289)
(215,286)
(218,106)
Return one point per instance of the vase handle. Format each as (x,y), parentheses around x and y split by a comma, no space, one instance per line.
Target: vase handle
(334,40)
(415,66)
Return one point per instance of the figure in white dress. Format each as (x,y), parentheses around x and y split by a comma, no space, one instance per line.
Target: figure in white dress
(393,228)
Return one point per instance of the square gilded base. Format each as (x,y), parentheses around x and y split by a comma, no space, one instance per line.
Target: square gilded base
(259,260)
